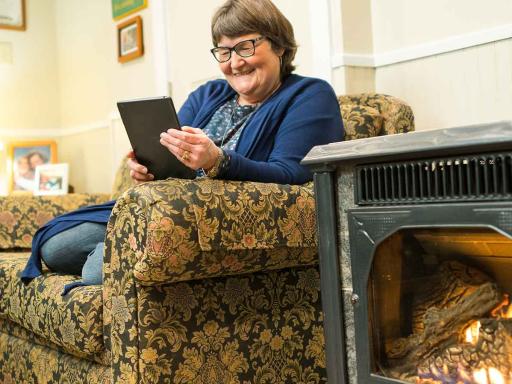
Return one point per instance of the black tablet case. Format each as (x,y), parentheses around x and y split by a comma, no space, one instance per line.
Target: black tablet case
(144,120)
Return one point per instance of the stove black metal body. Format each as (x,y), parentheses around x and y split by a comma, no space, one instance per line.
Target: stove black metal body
(415,242)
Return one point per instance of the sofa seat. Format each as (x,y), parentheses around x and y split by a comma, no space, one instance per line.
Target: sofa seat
(74,322)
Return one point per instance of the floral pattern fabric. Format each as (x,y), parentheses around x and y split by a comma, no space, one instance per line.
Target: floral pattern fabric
(25,362)
(214,228)
(73,322)
(22,215)
(372,114)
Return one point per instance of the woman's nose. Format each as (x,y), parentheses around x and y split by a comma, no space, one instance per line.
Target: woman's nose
(236,60)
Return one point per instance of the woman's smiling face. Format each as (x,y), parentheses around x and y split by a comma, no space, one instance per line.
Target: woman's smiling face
(256,77)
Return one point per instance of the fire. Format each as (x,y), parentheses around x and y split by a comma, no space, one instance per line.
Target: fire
(503,309)
(488,376)
(472,332)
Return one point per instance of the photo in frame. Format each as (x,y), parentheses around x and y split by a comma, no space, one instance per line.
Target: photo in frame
(23,159)
(12,14)
(129,40)
(123,8)
(51,179)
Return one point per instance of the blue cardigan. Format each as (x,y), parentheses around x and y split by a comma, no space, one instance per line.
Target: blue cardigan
(304,112)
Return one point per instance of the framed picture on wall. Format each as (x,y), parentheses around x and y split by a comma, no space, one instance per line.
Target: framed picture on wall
(129,39)
(12,14)
(23,159)
(123,8)
(51,179)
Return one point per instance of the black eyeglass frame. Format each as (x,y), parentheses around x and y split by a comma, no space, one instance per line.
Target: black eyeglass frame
(234,48)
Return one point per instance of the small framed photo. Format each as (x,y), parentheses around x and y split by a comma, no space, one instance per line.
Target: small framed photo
(12,14)
(23,159)
(51,179)
(129,40)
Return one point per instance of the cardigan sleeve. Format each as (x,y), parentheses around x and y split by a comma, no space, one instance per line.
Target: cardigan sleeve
(312,120)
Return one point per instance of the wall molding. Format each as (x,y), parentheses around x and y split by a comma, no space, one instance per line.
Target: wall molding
(52,133)
(419,51)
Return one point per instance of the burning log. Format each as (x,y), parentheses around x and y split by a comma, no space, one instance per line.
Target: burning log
(454,297)
(442,329)
(490,354)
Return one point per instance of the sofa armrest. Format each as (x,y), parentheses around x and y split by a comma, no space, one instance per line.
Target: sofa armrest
(22,215)
(178,230)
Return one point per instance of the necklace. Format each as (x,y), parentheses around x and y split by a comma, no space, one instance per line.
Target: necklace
(233,128)
(229,133)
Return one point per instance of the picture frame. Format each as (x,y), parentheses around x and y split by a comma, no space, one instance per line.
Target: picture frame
(23,158)
(123,8)
(129,40)
(51,179)
(12,15)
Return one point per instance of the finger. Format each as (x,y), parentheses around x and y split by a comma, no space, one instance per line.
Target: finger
(176,151)
(134,165)
(175,141)
(191,138)
(141,176)
(131,154)
(192,130)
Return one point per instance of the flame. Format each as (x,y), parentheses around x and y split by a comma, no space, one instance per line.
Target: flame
(502,309)
(508,313)
(472,332)
(488,376)
(495,376)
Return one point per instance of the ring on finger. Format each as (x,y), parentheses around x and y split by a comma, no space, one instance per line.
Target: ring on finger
(185,155)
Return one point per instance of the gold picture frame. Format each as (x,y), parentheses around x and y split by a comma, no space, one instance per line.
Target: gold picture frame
(12,15)
(129,40)
(23,159)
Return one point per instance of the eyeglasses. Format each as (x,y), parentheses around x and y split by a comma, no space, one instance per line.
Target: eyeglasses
(245,48)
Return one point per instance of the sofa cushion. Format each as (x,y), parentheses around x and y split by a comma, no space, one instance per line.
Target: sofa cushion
(73,322)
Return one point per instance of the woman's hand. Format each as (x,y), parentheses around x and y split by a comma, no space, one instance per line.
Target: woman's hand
(138,172)
(191,146)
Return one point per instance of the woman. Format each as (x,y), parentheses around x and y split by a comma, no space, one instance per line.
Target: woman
(257,125)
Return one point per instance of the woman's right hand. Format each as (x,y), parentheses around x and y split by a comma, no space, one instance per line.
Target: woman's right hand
(138,172)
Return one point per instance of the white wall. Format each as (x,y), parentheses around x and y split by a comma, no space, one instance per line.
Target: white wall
(29,87)
(402,23)
(91,78)
(469,86)
(92,81)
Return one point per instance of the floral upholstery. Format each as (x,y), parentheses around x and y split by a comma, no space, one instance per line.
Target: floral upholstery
(22,215)
(205,281)
(372,114)
(73,322)
(122,180)
(216,228)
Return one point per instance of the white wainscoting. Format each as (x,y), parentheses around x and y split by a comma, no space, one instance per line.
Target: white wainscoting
(450,44)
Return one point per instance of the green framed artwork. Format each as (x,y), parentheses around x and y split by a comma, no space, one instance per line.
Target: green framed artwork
(122,8)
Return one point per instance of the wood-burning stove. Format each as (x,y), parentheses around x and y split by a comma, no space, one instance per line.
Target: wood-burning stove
(415,240)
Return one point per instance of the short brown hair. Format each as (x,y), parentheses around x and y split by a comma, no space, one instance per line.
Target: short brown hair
(242,17)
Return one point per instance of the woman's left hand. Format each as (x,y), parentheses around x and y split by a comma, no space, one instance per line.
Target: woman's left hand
(191,146)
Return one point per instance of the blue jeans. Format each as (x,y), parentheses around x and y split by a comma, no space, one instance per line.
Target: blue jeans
(77,251)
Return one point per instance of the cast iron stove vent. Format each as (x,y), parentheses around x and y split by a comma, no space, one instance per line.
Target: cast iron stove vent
(482,177)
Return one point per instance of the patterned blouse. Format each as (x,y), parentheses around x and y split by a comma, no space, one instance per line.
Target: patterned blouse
(229,117)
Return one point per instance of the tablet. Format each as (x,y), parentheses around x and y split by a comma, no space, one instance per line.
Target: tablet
(144,121)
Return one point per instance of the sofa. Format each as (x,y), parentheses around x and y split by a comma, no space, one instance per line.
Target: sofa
(205,281)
